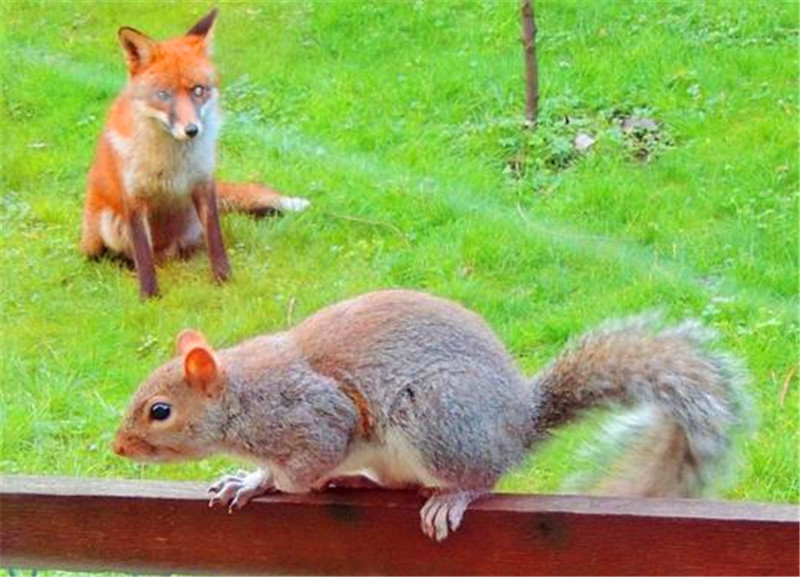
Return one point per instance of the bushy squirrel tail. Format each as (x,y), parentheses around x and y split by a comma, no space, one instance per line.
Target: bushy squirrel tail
(686,401)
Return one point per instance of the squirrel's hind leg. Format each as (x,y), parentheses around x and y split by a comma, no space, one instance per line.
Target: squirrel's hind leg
(348,482)
(237,490)
(444,509)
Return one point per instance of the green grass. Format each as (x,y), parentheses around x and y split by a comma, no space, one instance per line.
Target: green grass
(401,122)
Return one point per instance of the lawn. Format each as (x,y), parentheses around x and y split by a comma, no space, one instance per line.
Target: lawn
(401,122)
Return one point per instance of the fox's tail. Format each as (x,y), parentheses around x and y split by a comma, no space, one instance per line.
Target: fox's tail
(687,402)
(256,199)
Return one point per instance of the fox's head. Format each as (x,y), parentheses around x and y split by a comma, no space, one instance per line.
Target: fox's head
(174,81)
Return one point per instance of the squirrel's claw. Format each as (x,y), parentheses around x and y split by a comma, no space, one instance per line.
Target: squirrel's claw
(238,477)
(443,511)
(235,491)
(225,495)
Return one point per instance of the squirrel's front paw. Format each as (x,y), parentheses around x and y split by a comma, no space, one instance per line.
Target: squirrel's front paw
(235,491)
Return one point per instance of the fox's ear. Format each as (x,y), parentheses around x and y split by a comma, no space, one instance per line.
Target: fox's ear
(138,48)
(204,29)
(188,339)
(201,371)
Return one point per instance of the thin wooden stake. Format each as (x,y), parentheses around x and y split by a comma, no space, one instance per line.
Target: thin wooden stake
(531,63)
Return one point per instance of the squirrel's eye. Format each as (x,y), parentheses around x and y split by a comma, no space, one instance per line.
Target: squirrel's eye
(163,95)
(199,90)
(160,411)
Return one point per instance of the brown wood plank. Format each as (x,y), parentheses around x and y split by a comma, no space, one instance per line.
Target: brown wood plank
(148,526)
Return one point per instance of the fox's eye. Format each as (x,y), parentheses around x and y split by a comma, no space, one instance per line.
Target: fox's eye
(199,90)
(160,411)
(163,95)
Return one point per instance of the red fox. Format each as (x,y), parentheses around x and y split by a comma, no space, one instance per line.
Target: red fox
(151,192)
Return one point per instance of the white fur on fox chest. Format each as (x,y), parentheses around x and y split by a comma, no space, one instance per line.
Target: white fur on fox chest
(156,165)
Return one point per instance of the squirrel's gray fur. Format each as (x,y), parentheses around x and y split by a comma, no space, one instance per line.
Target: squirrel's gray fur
(413,389)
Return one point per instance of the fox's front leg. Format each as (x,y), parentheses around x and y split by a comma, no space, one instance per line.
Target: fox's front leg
(205,202)
(142,251)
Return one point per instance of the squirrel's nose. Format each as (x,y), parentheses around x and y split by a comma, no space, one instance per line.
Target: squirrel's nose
(191,130)
(119,447)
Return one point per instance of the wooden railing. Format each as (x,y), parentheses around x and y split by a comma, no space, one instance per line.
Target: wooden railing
(89,524)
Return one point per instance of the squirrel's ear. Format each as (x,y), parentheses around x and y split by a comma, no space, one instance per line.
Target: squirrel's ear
(201,370)
(188,339)
(138,48)
(204,29)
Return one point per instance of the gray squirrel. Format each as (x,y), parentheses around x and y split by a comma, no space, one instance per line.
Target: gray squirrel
(408,389)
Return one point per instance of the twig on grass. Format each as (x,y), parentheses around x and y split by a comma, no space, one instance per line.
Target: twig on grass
(388,225)
(786,382)
(290,312)
(522,214)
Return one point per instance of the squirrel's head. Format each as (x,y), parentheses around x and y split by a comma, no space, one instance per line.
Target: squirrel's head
(177,413)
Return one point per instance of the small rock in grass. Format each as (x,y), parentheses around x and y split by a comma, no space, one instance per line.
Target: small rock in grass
(631,123)
(583,141)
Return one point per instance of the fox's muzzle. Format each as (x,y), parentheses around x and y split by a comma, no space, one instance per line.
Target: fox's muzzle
(187,131)
(184,118)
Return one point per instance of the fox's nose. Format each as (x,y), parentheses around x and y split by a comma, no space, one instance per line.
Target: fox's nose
(191,130)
